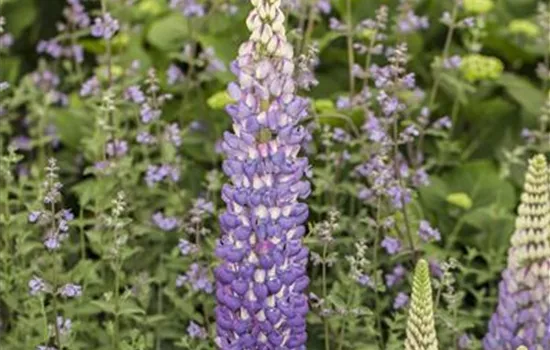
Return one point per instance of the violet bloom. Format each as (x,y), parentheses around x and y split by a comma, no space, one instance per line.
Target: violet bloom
(427,232)
(396,276)
(189,8)
(165,223)
(71,290)
(196,331)
(90,87)
(522,314)
(392,245)
(173,74)
(133,93)
(197,277)
(261,282)
(400,301)
(105,27)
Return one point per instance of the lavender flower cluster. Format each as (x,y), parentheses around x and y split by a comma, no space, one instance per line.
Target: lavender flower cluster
(261,281)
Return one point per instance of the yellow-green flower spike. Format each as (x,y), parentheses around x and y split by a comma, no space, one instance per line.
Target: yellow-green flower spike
(478,6)
(530,241)
(476,67)
(421,333)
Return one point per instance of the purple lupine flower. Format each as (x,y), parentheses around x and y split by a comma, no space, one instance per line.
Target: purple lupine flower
(427,232)
(105,27)
(261,281)
(70,290)
(197,277)
(396,276)
(392,245)
(400,301)
(133,93)
(165,223)
(196,331)
(522,314)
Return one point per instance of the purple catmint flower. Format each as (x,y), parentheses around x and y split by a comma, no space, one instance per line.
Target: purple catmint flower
(158,173)
(392,245)
(427,232)
(172,133)
(148,113)
(365,280)
(398,195)
(37,286)
(44,347)
(464,342)
(145,138)
(70,290)
(90,87)
(6,41)
(22,143)
(173,74)
(443,123)
(50,47)
(186,247)
(197,277)
(261,281)
(189,8)
(396,276)
(76,13)
(105,27)
(324,6)
(133,93)
(165,223)
(196,331)
(452,62)
(409,22)
(34,216)
(116,148)
(400,301)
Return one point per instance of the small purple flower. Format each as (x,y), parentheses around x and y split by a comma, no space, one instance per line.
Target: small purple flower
(196,331)
(324,6)
(90,87)
(165,223)
(427,233)
(410,22)
(197,276)
(22,143)
(116,148)
(398,195)
(37,286)
(396,276)
(452,62)
(464,342)
(6,41)
(71,290)
(443,123)
(173,74)
(392,245)
(133,93)
(400,301)
(186,247)
(189,8)
(105,27)
(52,242)
(172,133)
(145,138)
(365,281)
(148,113)
(34,216)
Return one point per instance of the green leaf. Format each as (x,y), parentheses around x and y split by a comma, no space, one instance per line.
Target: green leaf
(523,92)
(20,15)
(219,100)
(460,199)
(169,32)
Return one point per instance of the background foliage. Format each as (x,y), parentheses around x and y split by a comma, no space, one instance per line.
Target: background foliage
(141,242)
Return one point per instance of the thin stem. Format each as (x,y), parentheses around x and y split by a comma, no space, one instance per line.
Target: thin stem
(445,54)
(116,329)
(324,281)
(375,277)
(401,185)
(351,58)
(310,26)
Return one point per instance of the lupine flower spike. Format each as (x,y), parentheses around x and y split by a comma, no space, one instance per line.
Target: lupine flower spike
(261,281)
(522,313)
(421,333)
